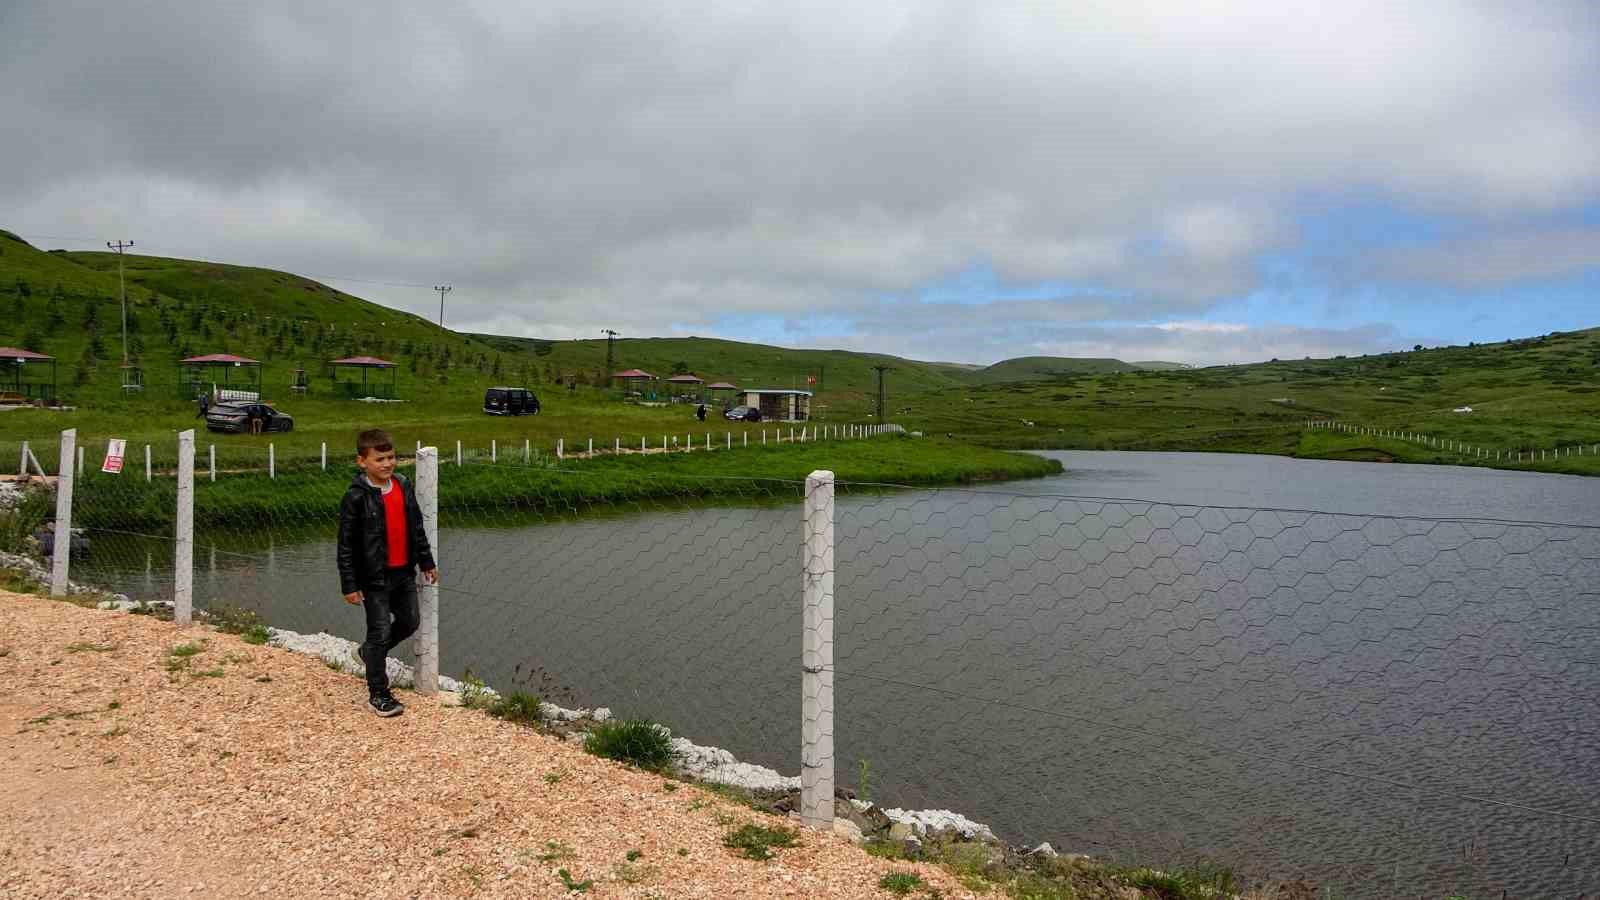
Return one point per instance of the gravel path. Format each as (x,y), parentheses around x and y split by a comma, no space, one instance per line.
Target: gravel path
(254,771)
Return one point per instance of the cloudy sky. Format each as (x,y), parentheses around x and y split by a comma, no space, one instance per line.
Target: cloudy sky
(1202,182)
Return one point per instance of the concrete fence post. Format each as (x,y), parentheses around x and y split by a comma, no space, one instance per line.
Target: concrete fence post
(494,450)
(272,460)
(80,457)
(183,534)
(527,451)
(616,446)
(458,453)
(746,438)
(147,470)
(561,448)
(427,643)
(730,440)
(63,544)
(641,443)
(22,471)
(211,452)
(816,655)
(591,446)
(324,456)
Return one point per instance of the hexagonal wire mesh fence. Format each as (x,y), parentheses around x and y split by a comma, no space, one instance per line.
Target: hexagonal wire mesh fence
(1379,704)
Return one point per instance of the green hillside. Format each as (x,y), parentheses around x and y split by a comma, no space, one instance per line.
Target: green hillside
(67,305)
(1043,368)
(747,365)
(1528,394)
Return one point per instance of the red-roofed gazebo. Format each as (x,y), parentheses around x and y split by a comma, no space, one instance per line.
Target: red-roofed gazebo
(199,375)
(366,364)
(634,382)
(687,380)
(16,362)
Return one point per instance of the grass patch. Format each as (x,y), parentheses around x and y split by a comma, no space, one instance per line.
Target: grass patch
(1202,881)
(183,651)
(18,523)
(639,742)
(19,582)
(577,887)
(231,619)
(91,648)
(518,707)
(210,673)
(554,851)
(256,634)
(900,882)
(758,841)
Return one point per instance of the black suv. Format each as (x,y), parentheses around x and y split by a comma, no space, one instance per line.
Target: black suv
(743,414)
(510,401)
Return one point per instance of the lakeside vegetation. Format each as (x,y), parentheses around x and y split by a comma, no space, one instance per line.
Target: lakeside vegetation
(305,495)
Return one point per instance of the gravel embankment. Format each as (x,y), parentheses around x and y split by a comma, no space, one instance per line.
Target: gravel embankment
(255,771)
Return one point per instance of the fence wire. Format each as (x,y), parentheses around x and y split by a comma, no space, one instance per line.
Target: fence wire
(1376,703)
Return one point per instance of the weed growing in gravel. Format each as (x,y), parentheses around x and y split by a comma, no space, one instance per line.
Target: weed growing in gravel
(17,582)
(757,841)
(334,664)
(257,634)
(900,882)
(517,707)
(641,742)
(554,777)
(91,648)
(185,650)
(669,786)
(634,854)
(575,886)
(628,873)
(210,673)
(264,678)
(555,851)
(885,849)
(117,731)
(474,693)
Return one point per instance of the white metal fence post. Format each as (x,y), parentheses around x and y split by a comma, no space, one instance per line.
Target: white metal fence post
(63,544)
(527,451)
(561,448)
(428,600)
(324,456)
(816,656)
(147,473)
(211,451)
(80,456)
(458,453)
(183,533)
(272,460)
(494,450)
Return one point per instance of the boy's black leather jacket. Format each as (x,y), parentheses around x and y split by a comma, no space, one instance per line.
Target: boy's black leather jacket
(363,540)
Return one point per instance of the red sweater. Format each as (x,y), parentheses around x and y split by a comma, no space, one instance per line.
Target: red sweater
(394,521)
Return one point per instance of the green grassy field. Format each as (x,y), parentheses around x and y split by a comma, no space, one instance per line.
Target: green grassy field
(1527,394)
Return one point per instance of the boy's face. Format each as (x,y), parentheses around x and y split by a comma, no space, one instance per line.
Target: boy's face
(378,464)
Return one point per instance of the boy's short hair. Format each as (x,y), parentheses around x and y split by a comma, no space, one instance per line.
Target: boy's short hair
(373,439)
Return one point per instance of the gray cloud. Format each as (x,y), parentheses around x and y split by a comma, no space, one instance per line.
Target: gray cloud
(1488,261)
(659,166)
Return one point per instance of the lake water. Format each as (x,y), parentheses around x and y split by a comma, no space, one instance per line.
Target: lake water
(1301,668)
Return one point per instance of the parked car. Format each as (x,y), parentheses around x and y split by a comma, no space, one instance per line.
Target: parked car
(509,401)
(743,414)
(240,418)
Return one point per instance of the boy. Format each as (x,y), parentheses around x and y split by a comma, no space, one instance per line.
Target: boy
(380,541)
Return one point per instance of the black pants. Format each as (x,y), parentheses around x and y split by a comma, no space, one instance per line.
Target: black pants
(391,609)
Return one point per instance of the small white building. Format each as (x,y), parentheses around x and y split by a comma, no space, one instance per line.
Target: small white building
(779,405)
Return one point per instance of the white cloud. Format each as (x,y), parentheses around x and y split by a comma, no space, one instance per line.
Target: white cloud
(655,166)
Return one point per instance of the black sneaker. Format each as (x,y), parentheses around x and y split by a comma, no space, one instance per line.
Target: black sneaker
(385,706)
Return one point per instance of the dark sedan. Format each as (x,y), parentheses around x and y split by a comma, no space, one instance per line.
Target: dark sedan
(247,418)
(743,414)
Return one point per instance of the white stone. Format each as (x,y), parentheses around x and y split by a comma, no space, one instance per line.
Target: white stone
(848,829)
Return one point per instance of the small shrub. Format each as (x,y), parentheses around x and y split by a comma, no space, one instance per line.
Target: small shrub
(517,707)
(474,693)
(575,886)
(1201,881)
(256,634)
(900,882)
(19,522)
(757,841)
(231,619)
(185,650)
(640,742)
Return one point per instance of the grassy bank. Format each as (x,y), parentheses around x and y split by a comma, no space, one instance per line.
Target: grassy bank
(306,496)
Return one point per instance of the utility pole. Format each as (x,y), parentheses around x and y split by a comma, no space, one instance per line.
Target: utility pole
(881,396)
(120,246)
(442,289)
(611,337)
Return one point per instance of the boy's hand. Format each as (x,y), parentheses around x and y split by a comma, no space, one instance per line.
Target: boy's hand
(353,598)
(431,576)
